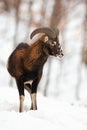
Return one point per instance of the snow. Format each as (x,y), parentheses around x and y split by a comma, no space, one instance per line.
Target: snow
(51,114)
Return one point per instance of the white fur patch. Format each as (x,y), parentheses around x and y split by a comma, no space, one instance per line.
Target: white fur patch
(28,82)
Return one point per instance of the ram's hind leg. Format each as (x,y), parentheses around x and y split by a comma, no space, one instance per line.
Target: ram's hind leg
(20,86)
(21,98)
(28,87)
(33,101)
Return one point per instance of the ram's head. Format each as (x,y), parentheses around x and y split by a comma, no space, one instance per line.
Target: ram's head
(51,39)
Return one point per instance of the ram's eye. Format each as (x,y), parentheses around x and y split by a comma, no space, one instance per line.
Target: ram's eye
(53,43)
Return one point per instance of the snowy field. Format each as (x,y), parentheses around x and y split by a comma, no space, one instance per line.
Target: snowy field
(51,114)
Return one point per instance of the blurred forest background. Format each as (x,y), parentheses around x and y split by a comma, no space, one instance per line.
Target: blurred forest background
(64,78)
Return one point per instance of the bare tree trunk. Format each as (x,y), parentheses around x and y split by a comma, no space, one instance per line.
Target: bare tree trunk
(29,21)
(84,54)
(15,32)
(43,12)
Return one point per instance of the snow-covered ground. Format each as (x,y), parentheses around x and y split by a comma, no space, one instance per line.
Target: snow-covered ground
(51,114)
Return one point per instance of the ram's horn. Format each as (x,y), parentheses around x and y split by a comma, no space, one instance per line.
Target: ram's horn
(48,31)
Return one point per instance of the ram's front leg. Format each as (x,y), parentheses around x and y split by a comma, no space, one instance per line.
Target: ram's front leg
(21,106)
(34,95)
(33,101)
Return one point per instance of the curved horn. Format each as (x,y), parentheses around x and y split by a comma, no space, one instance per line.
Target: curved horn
(51,33)
(56,30)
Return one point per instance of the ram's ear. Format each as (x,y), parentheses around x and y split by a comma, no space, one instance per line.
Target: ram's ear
(46,38)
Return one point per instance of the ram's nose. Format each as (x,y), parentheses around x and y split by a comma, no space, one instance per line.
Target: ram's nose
(61,54)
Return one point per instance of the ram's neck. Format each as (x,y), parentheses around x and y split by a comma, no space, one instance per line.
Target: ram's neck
(37,56)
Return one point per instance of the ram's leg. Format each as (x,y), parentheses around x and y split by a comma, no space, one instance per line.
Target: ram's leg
(33,102)
(20,86)
(28,87)
(33,95)
(21,107)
